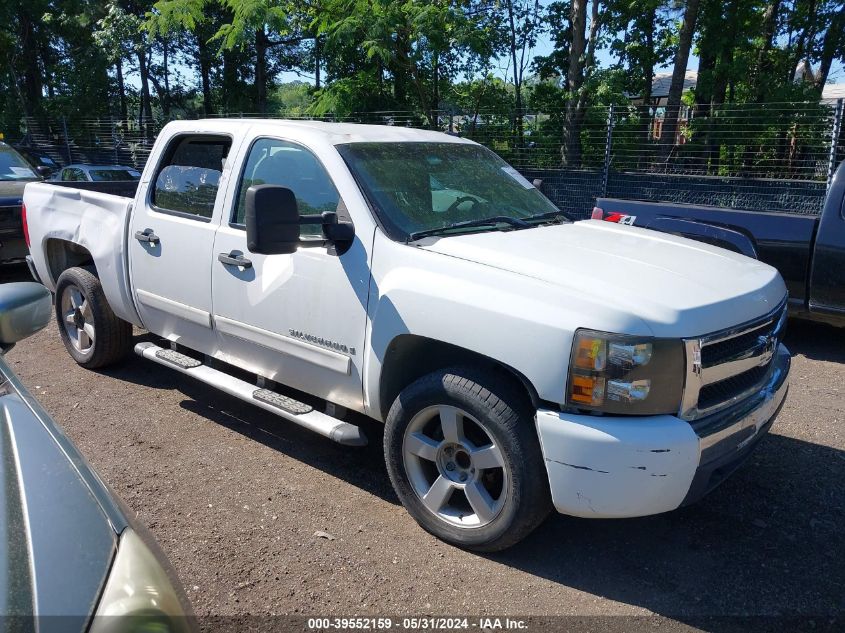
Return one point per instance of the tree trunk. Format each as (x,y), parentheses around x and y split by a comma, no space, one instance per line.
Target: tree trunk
(763,65)
(805,35)
(648,77)
(165,106)
(435,89)
(592,40)
(571,146)
(399,69)
(832,44)
(205,75)
(32,86)
(261,70)
(318,52)
(517,74)
(121,89)
(230,81)
(146,111)
(676,88)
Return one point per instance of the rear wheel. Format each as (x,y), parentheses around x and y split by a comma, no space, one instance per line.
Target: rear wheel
(93,335)
(465,460)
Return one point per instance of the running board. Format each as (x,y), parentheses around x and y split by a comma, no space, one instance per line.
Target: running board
(276,403)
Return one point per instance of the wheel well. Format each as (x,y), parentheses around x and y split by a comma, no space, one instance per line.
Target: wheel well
(410,357)
(62,254)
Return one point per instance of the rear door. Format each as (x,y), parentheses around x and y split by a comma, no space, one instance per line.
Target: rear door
(172,235)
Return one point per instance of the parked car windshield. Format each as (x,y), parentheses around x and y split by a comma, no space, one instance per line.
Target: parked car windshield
(98,175)
(13,166)
(418,187)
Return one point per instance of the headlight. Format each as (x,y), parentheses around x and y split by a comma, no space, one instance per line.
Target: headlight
(139,596)
(623,374)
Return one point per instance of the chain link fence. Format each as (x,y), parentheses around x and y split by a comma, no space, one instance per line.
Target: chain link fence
(775,157)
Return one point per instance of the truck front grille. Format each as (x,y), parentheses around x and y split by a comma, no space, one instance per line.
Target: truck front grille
(726,367)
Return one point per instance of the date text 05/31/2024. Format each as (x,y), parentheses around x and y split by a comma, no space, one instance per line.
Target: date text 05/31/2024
(416,624)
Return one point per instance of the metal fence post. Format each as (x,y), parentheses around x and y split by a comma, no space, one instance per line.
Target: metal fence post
(834,139)
(608,145)
(67,140)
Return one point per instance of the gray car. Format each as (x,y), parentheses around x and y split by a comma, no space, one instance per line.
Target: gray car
(73,555)
(97,173)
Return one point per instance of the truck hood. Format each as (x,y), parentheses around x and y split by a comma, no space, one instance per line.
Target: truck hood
(678,287)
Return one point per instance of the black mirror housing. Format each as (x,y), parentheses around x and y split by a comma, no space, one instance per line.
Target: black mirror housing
(272,220)
(44,171)
(273,223)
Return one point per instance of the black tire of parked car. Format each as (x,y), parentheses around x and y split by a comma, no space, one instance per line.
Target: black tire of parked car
(113,336)
(506,415)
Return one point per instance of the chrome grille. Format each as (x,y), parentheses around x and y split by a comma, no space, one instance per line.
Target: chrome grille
(726,367)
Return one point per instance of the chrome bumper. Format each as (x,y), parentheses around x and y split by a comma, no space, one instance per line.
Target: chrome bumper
(31,265)
(727,438)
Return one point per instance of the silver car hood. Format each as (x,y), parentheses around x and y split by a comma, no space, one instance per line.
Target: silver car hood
(59,524)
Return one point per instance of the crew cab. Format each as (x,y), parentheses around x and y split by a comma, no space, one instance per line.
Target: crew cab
(520,361)
(808,250)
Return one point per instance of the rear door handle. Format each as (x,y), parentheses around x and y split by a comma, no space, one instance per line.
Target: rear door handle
(233,259)
(147,235)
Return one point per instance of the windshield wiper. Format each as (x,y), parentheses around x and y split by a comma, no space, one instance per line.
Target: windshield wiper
(551,215)
(493,221)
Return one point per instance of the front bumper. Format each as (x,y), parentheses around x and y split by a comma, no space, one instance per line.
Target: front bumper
(614,467)
(30,263)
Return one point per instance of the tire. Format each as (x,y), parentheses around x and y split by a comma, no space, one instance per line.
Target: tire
(441,476)
(92,334)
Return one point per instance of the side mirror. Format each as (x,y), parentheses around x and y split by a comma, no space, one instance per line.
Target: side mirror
(272,220)
(538,183)
(273,223)
(25,308)
(44,171)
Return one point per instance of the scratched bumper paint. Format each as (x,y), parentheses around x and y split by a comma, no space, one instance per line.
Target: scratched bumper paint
(605,467)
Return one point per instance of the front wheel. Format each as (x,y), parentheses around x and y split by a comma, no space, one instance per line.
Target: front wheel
(465,461)
(93,335)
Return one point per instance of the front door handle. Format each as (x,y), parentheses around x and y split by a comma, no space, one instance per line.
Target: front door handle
(147,235)
(233,259)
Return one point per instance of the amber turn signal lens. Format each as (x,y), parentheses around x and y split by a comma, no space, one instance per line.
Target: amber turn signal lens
(591,353)
(587,390)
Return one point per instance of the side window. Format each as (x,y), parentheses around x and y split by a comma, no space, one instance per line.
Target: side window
(189,175)
(272,162)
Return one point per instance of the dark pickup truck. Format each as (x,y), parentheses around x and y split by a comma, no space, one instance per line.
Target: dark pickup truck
(808,250)
(15,172)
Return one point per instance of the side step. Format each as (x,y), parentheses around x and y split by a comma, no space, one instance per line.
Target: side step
(276,403)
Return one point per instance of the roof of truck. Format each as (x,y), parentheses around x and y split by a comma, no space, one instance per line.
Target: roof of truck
(337,133)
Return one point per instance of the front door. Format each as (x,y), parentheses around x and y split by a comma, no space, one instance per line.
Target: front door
(298,319)
(171,240)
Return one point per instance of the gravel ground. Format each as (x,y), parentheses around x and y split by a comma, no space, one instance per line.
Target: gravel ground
(235,496)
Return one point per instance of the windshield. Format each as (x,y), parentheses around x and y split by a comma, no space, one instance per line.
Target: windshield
(13,166)
(99,175)
(418,187)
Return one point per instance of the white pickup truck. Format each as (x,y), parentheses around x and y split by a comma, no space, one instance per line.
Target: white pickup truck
(519,360)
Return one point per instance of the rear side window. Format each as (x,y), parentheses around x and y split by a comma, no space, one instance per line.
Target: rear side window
(189,175)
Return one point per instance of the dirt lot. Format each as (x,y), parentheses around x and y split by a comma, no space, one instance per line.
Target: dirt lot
(235,496)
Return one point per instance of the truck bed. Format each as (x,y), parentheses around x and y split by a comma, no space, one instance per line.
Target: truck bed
(82,224)
(783,240)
